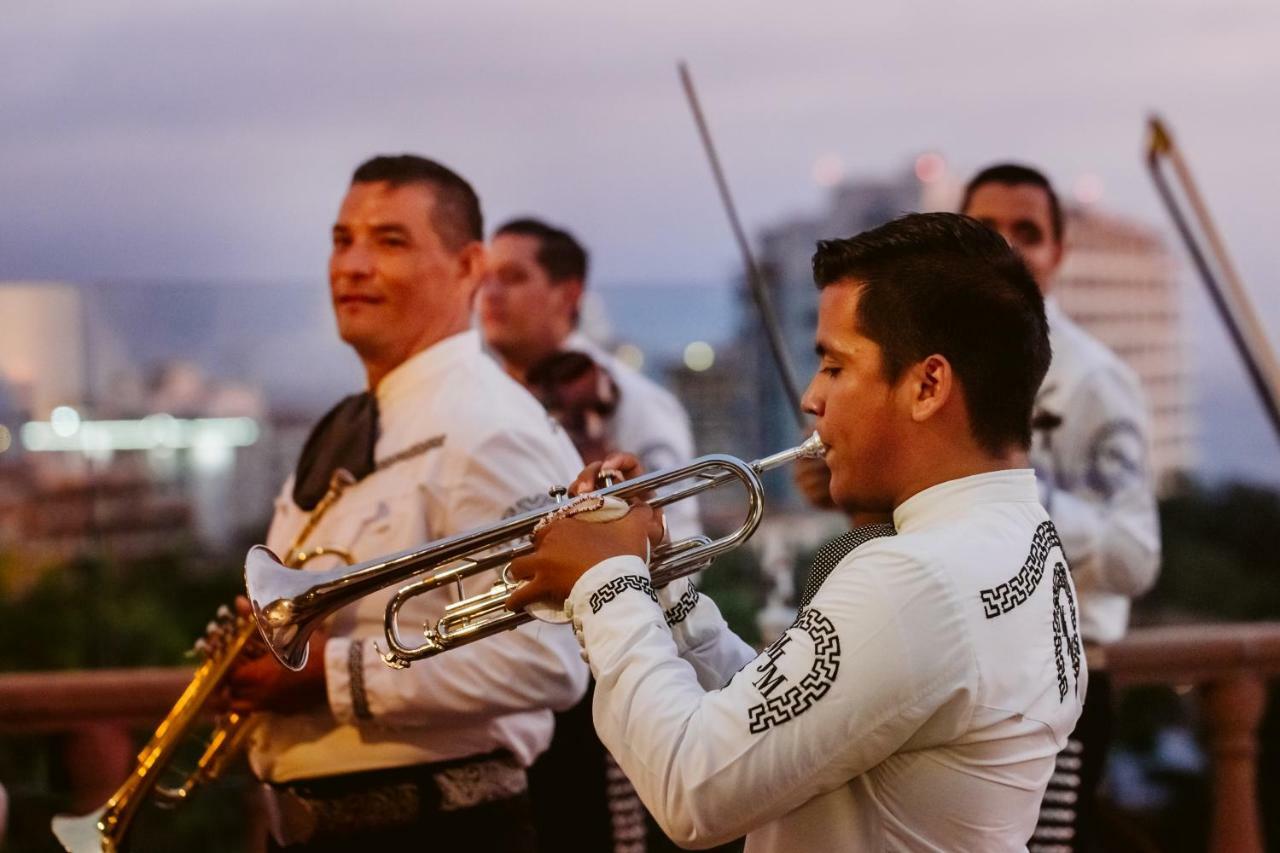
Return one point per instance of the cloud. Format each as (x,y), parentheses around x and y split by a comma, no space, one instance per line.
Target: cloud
(150,140)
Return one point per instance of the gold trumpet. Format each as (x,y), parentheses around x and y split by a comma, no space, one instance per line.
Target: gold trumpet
(104,830)
(288,606)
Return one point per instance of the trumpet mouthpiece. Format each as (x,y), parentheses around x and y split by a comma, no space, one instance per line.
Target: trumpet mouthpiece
(813,448)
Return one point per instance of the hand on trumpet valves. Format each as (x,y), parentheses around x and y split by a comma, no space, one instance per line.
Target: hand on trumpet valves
(220,629)
(613,469)
(567,547)
(616,467)
(260,683)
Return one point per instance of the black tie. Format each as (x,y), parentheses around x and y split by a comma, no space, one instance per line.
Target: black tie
(344,438)
(830,555)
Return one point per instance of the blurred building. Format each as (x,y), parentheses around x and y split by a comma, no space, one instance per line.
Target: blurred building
(1119,282)
(49,513)
(722,409)
(142,463)
(42,352)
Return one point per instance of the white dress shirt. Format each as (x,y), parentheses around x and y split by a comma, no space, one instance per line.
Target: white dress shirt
(917,703)
(1094,476)
(475,446)
(649,423)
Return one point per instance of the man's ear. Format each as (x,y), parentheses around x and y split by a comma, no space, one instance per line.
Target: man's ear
(570,290)
(932,382)
(472,264)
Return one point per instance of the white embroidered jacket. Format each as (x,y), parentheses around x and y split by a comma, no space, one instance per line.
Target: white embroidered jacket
(477,446)
(1094,477)
(917,703)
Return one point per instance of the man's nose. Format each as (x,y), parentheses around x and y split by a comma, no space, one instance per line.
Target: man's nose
(811,403)
(353,261)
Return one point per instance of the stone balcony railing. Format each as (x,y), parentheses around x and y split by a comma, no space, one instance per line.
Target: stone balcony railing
(1229,666)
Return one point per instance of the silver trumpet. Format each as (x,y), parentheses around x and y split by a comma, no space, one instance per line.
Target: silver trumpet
(289,605)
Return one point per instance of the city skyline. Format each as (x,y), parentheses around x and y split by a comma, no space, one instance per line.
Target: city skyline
(213,142)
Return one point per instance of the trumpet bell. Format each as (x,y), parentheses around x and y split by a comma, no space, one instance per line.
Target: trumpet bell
(84,834)
(276,592)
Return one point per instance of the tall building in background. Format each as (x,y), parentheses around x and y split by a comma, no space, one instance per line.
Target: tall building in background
(1119,282)
(42,353)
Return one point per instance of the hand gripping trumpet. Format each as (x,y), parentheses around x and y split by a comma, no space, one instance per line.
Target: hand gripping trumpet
(104,830)
(290,605)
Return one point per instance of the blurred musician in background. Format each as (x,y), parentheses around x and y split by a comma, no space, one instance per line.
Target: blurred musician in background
(1090,456)
(529,308)
(354,754)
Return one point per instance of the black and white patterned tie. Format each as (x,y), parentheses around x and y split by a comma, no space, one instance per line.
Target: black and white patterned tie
(830,555)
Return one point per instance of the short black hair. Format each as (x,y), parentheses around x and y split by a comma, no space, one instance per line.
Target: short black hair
(559,252)
(455,215)
(945,283)
(1015,174)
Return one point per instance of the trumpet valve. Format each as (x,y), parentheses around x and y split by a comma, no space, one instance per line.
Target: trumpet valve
(391,659)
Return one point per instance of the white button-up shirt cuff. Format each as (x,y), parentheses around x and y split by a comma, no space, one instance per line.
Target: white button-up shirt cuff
(616,581)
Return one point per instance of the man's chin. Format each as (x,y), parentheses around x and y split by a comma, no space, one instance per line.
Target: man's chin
(357,337)
(853,503)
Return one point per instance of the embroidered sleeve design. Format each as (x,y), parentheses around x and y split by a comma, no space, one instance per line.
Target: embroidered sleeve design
(1017,589)
(816,683)
(617,586)
(355,675)
(1116,457)
(409,452)
(682,608)
(1065,633)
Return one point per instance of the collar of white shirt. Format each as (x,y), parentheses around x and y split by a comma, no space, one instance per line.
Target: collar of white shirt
(405,378)
(1053,311)
(953,497)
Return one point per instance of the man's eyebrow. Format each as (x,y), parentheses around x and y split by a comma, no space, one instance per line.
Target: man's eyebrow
(390,228)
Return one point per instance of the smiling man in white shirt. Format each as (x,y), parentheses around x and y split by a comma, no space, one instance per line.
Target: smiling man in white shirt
(356,753)
(919,699)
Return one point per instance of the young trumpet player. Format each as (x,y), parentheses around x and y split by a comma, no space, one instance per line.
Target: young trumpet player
(922,694)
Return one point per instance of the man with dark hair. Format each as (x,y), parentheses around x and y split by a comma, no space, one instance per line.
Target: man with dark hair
(921,695)
(356,753)
(1090,456)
